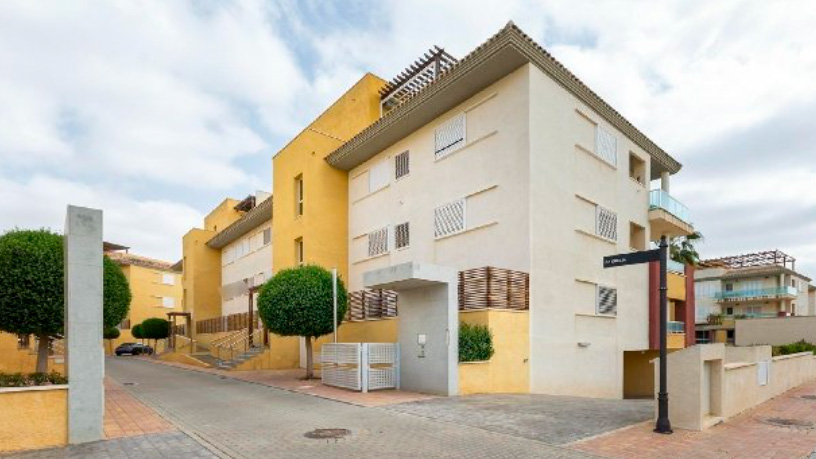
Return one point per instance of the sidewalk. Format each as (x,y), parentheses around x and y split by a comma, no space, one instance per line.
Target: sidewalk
(745,436)
(127,417)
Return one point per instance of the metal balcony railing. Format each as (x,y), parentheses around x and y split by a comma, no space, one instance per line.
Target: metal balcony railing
(772,292)
(659,199)
(675,327)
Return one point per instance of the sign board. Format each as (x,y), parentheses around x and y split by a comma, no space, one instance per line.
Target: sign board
(633,258)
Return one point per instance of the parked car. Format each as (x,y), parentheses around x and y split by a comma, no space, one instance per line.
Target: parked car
(133,349)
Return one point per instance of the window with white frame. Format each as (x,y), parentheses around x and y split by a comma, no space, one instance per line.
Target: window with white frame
(402,235)
(450,136)
(378,176)
(402,164)
(378,242)
(299,254)
(168,302)
(168,279)
(606,145)
(449,218)
(299,195)
(606,223)
(607,301)
(267,236)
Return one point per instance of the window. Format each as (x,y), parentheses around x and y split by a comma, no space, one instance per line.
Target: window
(378,176)
(402,165)
(299,195)
(449,218)
(124,325)
(299,251)
(168,279)
(607,301)
(267,236)
(606,145)
(450,136)
(637,236)
(168,302)
(606,223)
(402,236)
(378,242)
(23,341)
(729,287)
(637,169)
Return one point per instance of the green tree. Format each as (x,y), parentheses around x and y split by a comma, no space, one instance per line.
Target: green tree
(682,249)
(155,328)
(298,302)
(110,334)
(137,333)
(32,288)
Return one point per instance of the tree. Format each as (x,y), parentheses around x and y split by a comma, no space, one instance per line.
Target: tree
(32,288)
(137,332)
(682,249)
(155,328)
(298,302)
(111,333)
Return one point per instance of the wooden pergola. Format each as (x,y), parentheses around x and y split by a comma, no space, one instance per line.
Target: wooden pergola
(749,260)
(188,323)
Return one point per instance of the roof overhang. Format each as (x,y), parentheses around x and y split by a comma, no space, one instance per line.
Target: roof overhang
(249,221)
(502,54)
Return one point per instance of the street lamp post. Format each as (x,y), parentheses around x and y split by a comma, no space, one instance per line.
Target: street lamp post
(663,425)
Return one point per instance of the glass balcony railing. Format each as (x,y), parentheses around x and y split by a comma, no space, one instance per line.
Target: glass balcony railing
(676,267)
(751,315)
(659,199)
(675,327)
(772,292)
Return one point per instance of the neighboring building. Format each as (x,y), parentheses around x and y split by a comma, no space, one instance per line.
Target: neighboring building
(755,285)
(506,159)
(155,287)
(228,257)
(812,300)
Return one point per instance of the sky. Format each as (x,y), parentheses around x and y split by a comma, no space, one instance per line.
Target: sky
(156,110)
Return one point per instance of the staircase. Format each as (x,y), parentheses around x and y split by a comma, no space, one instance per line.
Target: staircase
(229,354)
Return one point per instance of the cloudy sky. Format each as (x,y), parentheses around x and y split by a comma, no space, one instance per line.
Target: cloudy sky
(155,110)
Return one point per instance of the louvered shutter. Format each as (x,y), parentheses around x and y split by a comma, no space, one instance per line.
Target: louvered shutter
(378,176)
(606,145)
(449,218)
(402,164)
(402,235)
(450,136)
(606,223)
(607,301)
(378,242)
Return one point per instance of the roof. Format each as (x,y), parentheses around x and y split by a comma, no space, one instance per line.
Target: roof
(500,55)
(249,221)
(111,247)
(766,258)
(126,259)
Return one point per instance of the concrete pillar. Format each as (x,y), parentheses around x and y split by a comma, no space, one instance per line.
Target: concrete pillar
(84,353)
(664,181)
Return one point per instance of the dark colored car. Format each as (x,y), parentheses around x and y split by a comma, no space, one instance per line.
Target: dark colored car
(133,349)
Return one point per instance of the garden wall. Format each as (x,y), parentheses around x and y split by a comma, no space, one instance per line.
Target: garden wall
(33,417)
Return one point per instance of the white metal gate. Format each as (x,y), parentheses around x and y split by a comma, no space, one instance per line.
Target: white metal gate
(360,366)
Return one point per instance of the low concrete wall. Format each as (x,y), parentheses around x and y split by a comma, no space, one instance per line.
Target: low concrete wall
(283,354)
(775,331)
(33,417)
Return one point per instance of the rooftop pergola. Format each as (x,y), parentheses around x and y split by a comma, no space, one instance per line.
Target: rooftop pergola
(749,260)
(414,78)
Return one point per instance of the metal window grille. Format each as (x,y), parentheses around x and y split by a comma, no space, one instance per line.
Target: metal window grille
(378,177)
(378,242)
(402,235)
(449,218)
(606,223)
(402,164)
(607,301)
(450,136)
(606,145)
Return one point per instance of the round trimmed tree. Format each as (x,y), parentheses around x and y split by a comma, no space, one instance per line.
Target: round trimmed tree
(110,334)
(155,328)
(298,302)
(136,332)
(32,288)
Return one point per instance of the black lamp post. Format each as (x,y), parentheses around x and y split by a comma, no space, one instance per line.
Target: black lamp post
(663,425)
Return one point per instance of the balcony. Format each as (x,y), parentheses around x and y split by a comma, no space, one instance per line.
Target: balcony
(675,335)
(668,216)
(758,294)
(675,327)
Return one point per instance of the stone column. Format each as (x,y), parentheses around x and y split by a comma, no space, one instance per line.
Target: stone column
(664,181)
(84,353)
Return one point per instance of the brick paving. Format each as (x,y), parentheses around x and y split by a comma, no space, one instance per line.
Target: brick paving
(127,417)
(240,419)
(745,436)
(163,445)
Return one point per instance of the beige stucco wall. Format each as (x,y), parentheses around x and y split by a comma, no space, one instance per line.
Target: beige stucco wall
(33,417)
(257,264)
(775,331)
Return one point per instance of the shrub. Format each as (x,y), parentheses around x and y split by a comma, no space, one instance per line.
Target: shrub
(32,379)
(794,348)
(111,333)
(475,343)
(137,332)
(38,379)
(155,328)
(12,380)
(56,378)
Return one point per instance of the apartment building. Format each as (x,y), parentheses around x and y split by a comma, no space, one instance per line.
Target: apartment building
(505,159)
(755,285)
(155,286)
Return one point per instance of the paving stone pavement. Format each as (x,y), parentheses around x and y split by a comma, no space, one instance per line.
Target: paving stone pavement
(241,419)
(163,445)
(552,419)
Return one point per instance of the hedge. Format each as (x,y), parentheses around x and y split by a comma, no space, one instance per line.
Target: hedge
(475,343)
(31,379)
(794,348)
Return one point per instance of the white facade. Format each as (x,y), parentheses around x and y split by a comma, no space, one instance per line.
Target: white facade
(247,258)
(532,180)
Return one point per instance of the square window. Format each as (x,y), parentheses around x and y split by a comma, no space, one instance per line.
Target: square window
(606,223)
(168,279)
(402,236)
(606,145)
(637,236)
(168,302)
(637,168)
(450,136)
(449,218)
(378,242)
(607,302)
(402,164)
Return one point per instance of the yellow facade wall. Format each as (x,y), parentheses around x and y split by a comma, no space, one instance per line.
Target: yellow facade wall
(323,226)
(283,354)
(508,371)
(14,360)
(33,418)
(677,286)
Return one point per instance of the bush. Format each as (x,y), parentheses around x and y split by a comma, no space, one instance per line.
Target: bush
(32,379)
(137,331)
(111,333)
(794,348)
(475,343)
(155,328)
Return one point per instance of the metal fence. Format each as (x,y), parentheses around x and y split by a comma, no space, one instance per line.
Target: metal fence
(360,366)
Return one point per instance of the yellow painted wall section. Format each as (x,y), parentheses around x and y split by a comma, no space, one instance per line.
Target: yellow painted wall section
(675,341)
(638,374)
(677,286)
(32,419)
(508,370)
(324,223)
(201,280)
(13,360)
(222,216)
(183,358)
(283,354)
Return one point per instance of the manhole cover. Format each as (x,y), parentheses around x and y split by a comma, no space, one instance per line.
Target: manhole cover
(808,397)
(784,422)
(327,433)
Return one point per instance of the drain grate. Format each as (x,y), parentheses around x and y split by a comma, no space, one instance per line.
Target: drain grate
(322,434)
(785,422)
(129,383)
(808,397)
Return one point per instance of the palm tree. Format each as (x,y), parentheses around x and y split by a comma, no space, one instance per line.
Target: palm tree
(682,250)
